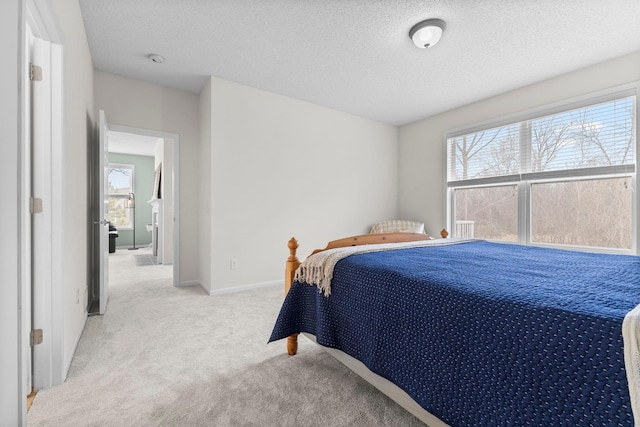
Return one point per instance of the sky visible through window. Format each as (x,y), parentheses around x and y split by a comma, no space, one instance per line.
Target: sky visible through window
(593,136)
(599,135)
(120,185)
(119,180)
(576,168)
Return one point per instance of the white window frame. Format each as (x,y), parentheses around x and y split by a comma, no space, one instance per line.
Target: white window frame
(122,196)
(524,180)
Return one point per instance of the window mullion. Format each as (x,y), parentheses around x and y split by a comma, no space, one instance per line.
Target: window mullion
(452,216)
(524,212)
(634,217)
(524,201)
(525,147)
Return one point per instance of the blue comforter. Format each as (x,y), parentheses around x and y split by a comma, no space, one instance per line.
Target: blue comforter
(483,334)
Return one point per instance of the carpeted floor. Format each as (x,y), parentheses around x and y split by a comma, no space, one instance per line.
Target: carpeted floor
(165,356)
(145,259)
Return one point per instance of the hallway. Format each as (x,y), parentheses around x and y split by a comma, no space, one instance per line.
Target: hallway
(156,345)
(165,356)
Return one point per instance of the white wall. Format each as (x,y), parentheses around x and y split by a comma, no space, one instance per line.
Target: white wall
(134,103)
(205,185)
(164,154)
(78,128)
(281,167)
(12,411)
(166,185)
(422,147)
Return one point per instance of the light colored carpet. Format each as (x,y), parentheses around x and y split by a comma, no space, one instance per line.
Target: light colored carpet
(145,259)
(178,357)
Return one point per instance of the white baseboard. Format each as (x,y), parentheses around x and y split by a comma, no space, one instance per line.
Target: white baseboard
(189,283)
(204,288)
(231,289)
(193,283)
(248,287)
(67,363)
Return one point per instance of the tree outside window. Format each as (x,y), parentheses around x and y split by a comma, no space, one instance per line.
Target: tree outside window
(120,185)
(559,179)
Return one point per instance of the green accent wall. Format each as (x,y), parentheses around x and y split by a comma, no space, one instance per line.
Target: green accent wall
(143,171)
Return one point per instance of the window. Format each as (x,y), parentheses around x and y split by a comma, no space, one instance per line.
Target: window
(561,178)
(120,185)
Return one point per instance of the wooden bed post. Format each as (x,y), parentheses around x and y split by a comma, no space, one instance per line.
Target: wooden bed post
(290,270)
(366,239)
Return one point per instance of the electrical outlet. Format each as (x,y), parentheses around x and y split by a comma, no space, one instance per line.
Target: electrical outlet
(234,263)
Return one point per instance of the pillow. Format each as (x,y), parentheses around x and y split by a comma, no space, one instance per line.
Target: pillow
(415,229)
(397,226)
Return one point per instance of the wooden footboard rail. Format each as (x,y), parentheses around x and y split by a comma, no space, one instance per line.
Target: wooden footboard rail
(367,239)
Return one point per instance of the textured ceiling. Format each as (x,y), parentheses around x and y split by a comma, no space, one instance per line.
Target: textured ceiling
(356,55)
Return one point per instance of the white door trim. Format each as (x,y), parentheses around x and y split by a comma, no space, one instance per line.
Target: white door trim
(175,138)
(43,21)
(50,363)
(41,225)
(60,367)
(25,190)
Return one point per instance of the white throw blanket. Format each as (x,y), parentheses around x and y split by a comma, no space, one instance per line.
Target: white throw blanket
(630,332)
(318,269)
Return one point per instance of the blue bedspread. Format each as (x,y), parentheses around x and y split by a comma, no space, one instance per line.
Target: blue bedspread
(483,334)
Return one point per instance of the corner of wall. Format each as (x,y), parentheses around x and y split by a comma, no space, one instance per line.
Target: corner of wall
(198,283)
(270,154)
(204,253)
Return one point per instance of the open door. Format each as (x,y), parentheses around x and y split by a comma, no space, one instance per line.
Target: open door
(103,220)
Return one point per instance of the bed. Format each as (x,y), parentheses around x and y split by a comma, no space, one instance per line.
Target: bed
(469,332)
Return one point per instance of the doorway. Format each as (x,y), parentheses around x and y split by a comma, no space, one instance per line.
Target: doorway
(143,198)
(42,204)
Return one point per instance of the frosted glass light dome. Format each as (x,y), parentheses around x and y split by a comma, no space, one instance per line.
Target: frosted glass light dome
(427,33)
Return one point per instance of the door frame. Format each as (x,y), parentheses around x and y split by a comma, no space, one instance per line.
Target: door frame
(49,366)
(175,139)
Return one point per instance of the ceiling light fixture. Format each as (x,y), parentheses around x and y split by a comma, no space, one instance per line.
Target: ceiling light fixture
(156,58)
(427,33)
